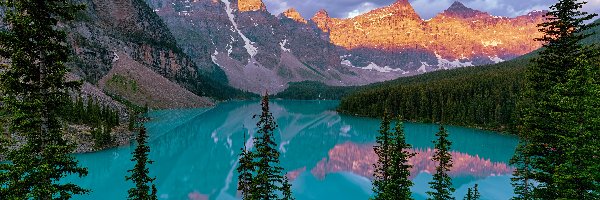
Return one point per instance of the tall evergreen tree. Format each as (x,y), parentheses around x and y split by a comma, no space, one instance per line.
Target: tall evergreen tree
(400,184)
(383,167)
(245,169)
(34,88)
(552,125)
(473,193)
(261,177)
(144,188)
(442,183)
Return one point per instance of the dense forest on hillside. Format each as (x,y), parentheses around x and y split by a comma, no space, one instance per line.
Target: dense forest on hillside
(483,97)
(313,90)
(475,96)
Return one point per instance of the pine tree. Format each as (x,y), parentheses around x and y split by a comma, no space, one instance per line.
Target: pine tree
(521,180)
(400,184)
(469,195)
(473,193)
(261,177)
(245,169)
(144,188)
(34,89)
(552,125)
(442,183)
(383,167)
(476,194)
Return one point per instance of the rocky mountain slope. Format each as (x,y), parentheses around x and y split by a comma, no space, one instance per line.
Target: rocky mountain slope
(127,34)
(257,51)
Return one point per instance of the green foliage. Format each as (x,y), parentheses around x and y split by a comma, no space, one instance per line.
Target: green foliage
(90,113)
(392,169)
(102,137)
(483,97)
(261,177)
(442,183)
(312,90)
(383,167)
(144,188)
(34,89)
(559,122)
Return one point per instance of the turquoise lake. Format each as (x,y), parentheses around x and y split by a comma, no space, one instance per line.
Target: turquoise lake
(327,155)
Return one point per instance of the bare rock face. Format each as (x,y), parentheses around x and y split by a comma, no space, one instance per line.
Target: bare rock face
(457,33)
(294,15)
(253,50)
(251,5)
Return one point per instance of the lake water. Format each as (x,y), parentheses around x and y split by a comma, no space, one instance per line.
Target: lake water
(328,155)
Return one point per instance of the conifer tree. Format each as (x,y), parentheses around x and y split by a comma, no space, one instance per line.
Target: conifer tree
(144,187)
(383,167)
(261,177)
(473,193)
(441,184)
(476,194)
(34,88)
(469,195)
(557,137)
(245,169)
(400,184)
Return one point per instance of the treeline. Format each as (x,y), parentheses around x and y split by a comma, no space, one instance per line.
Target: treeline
(476,96)
(482,97)
(101,118)
(89,112)
(313,90)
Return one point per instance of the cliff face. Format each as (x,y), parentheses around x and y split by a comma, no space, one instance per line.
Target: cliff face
(459,36)
(240,43)
(129,27)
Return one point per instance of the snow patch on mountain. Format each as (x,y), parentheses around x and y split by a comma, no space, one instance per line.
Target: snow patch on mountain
(373,66)
(423,67)
(251,49)
(282,44)
(447,64)
(496,59)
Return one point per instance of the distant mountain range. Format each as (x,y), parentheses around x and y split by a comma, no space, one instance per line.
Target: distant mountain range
(259,51)
(219,48)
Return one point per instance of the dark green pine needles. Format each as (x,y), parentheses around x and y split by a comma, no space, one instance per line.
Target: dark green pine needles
(34,88)
(560,119)
(261,177)
(144,188)
(442,183)
(392,169)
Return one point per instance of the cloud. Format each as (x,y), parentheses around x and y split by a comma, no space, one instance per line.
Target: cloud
(363,8)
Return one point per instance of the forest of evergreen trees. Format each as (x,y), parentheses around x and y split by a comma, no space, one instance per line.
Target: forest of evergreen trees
(483,97)
(554,105)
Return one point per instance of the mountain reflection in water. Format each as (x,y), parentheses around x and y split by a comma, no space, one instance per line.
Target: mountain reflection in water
(329,155)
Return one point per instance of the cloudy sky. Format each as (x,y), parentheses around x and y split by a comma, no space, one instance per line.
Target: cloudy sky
(426,8)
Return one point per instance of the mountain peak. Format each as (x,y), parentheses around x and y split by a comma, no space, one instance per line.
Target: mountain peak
(459,10)
(401,2)
(322,20)
(457,5)
(251,5)
(294,15)
(321,14)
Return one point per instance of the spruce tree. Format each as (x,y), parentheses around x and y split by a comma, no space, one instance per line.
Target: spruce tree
(383,167)
(473,193)
(442,183)
(556,134)
(261,177)
(245,169)
(34,89)
(144,187)
(400,184)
